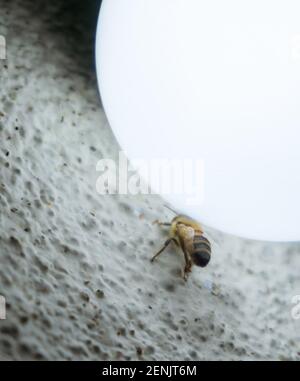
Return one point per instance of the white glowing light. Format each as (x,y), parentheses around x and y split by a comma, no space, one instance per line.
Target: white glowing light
(215,80)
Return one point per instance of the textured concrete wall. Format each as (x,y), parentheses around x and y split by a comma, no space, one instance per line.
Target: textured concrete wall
(74,266)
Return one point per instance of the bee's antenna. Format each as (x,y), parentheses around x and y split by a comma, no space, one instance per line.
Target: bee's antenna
(172,210)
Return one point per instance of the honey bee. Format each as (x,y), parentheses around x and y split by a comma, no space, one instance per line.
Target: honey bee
(187,234)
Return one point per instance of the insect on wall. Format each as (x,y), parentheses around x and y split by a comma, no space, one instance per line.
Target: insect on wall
(188,235)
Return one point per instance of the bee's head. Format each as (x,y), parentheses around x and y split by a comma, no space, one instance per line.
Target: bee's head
(201,258)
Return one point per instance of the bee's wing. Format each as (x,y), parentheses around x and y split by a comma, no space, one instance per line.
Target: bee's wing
(176,212)
(187,238)
(190,234)
(214,241)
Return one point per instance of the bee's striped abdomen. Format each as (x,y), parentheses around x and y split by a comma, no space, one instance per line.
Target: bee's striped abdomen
(201,250)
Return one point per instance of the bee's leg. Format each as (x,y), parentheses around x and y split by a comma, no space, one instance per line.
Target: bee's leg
(157,222)
(188,265)
(187,269)
(166,244)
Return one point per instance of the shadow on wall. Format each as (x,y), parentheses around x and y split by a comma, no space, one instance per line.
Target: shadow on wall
(78,27)
(72,24)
